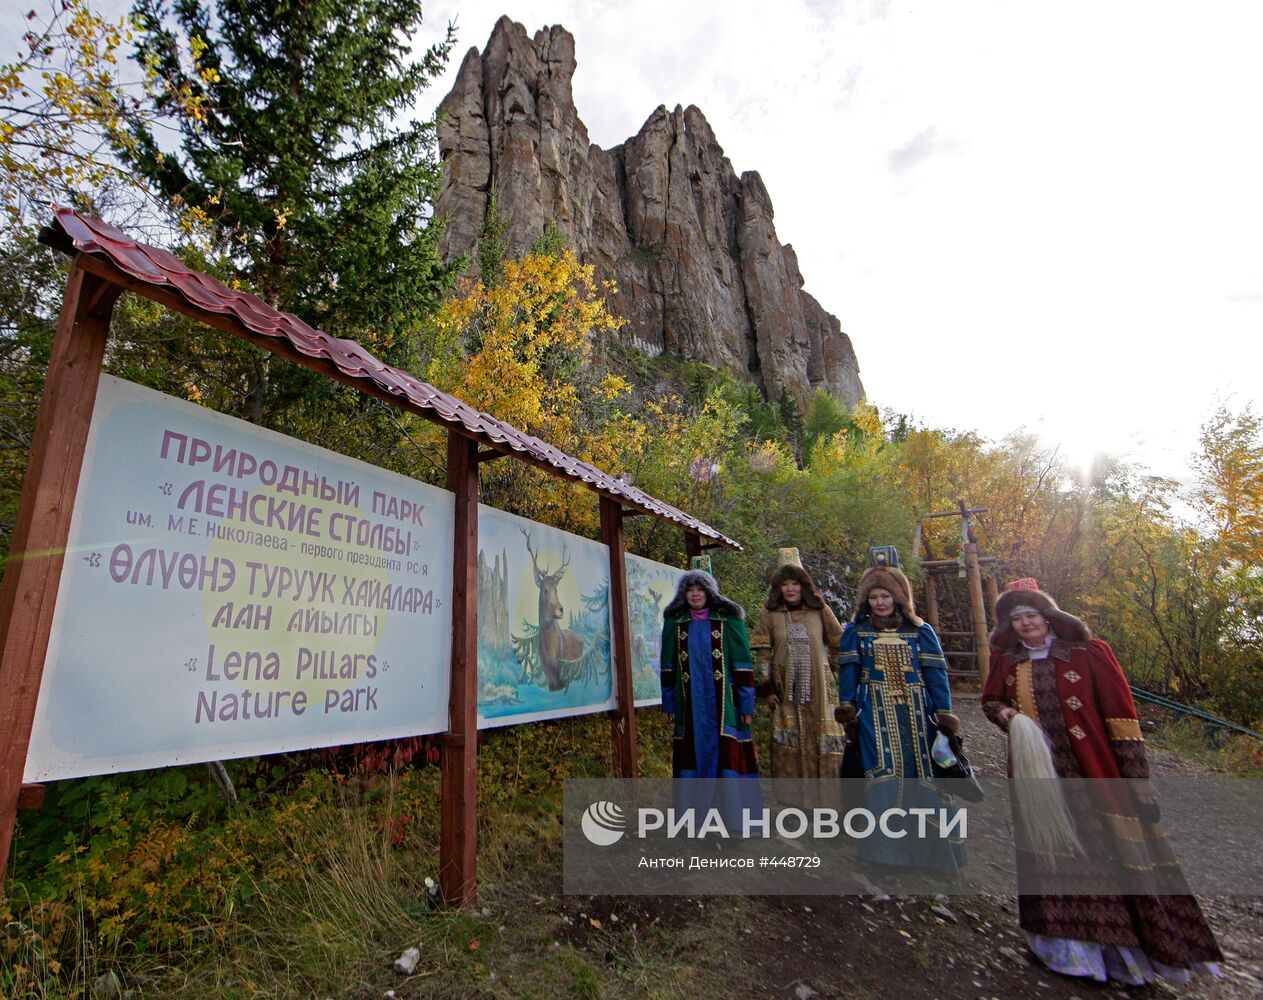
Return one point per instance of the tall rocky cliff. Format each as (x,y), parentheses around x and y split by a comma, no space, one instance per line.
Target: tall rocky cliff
(691,246)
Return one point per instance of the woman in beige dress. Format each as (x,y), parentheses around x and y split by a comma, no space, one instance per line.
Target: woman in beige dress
(793,645)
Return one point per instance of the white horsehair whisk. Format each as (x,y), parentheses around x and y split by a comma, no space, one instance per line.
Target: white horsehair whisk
(1044,820)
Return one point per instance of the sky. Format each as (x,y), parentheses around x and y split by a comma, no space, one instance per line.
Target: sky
(1038,215)
(1024,214)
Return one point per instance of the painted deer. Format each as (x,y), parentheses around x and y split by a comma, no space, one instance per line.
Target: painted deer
(557,646)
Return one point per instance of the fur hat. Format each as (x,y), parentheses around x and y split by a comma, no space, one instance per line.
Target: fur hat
(788,557)
(1064,626)
(714,599)
(889,578)
(789,571)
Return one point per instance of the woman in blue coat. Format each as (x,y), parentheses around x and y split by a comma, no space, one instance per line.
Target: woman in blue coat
(893,697)
(708,693)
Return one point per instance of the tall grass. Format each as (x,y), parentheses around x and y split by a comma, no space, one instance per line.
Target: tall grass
(313,892)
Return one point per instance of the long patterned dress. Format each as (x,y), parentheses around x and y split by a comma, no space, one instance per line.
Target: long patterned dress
(1079,695)
(792,648)
(708,683)
(897,679)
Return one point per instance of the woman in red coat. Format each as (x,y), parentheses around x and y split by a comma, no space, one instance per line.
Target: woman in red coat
(1046,666)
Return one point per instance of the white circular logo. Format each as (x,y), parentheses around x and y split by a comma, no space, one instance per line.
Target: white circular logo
(603,823)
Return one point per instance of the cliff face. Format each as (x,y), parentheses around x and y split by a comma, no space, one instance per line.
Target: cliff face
(690,244)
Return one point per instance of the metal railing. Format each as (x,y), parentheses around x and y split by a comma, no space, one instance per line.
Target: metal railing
(1180,710)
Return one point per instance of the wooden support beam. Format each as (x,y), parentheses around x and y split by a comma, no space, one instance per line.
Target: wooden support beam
(931,601)
(458,827)
(490,455)
(31,797)
(623,718)
(692,544)
(631,512)
(954,513)
(38,547)
(977,610)
(952,564)
(712,545)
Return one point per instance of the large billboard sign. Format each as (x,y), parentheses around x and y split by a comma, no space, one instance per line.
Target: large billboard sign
(230,591)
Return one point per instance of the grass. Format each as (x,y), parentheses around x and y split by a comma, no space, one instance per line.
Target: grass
(1225,753)
(314,892)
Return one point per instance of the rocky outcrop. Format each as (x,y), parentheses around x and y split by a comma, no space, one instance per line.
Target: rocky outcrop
(691,246)
(493,601)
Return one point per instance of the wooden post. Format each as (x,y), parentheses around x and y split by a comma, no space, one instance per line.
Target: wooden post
(623,718)
(982,649)
(458,826)
(931,600)
(31,797)
(692,545)
(38,547)
(993,595)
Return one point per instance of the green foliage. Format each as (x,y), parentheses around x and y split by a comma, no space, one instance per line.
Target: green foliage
(318,203)
(492,246)
(551,242)
(29,301)
(825,418)
(154,876)
(287,158)
(792,422)
(64,106)
(322,207)
(762,418)
(1230,487)
(644,256)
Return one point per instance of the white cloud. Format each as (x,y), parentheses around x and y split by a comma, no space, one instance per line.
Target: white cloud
(921,147)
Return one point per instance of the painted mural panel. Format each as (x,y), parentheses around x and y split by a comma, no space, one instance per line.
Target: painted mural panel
(650,587)
(543,622)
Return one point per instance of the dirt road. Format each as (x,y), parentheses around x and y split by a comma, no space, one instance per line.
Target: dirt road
(909,948)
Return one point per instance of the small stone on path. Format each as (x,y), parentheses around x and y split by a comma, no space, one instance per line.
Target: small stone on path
(406,964)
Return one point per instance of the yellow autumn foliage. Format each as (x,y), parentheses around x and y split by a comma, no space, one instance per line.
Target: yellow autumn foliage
(66,111)
(529,337)
(525,350)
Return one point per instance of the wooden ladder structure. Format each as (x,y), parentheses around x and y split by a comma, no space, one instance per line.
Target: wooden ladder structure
(979,573)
